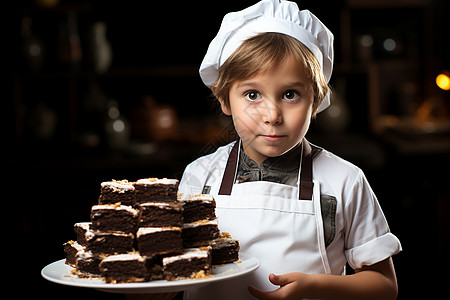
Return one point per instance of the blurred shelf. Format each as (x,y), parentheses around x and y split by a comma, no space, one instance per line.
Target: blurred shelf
(166,71)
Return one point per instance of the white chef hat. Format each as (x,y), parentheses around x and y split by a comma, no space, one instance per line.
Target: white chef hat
(269,16)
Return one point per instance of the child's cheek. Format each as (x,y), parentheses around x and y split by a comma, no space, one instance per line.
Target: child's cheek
(243,125)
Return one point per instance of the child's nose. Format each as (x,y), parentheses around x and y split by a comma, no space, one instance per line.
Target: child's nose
(272,114)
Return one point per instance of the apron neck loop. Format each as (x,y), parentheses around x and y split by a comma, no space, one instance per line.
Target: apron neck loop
(306,185)
(230,170)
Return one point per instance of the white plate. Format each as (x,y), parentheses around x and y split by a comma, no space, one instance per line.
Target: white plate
(59,272)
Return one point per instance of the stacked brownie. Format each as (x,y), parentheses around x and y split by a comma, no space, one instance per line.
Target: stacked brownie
(117,191)
(200,228)
(161,219)
(141,231)
(106,243)
(200,223)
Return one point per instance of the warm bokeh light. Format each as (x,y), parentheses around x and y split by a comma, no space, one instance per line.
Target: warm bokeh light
(443,81)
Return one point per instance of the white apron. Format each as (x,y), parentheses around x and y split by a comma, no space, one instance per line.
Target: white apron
(279,224)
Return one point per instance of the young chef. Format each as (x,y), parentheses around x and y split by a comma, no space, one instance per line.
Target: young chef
(303,211)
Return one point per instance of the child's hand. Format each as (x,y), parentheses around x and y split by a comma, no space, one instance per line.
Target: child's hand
(292,286)
(376,281)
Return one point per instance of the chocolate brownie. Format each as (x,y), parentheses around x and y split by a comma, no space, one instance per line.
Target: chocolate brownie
(161,214)
(114,217)
(198,207)
(117,191)
(71,249)
(154,189)
(87,264)
(193,263)
(123,268)
(225,249)
(80,231)
(159,240)
(200,233)
(109,242)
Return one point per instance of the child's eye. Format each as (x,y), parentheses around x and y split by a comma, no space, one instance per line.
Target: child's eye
(252,96)
(291,95)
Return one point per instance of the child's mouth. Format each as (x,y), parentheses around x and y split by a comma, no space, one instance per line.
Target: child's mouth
(273,138)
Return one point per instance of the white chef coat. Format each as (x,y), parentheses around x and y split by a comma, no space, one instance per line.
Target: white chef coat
(362,235)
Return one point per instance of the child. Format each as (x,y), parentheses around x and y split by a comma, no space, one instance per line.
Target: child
(301,210)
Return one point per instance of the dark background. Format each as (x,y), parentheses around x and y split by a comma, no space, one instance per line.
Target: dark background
(389,118)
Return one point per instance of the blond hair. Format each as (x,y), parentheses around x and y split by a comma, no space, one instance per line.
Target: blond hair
(258,54)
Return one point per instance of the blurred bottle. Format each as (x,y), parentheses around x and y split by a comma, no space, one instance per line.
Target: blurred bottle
(32,46)
(155,122)
(141,120)
(101,48)
(117,128)
(364,47)
(69,49)
(164,123)
(42,122)
(94,107)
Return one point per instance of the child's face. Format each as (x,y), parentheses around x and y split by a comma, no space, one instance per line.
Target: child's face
(272,110)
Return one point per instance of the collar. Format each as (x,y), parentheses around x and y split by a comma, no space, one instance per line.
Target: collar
(305,185)
(287,163)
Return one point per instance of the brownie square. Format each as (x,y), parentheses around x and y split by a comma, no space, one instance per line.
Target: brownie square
(109,242)
(198,207)
(112,217)
(193,263)
(80,231)
(159,240)
(117,191)
(225,249)
(154,189)
(71,249)
(123,268)
(87,264)
(161,214)
(200,233)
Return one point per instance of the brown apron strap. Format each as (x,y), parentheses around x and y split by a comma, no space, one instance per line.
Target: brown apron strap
(306,184)
(230,171)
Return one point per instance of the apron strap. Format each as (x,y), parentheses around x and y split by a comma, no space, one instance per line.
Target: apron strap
(306,184)
(230,171)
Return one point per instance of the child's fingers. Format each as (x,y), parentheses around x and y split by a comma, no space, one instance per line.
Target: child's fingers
(280,280)
(260,294)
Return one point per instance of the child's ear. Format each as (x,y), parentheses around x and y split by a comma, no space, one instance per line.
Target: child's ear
(225,107)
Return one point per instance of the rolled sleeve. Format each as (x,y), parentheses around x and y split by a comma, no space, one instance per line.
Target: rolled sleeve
(368,239)
(373,251)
